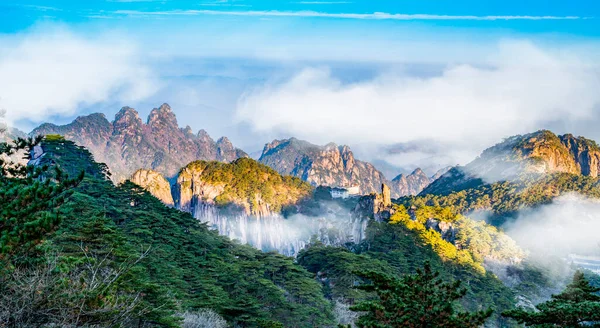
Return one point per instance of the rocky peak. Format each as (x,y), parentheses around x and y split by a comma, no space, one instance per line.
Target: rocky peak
(330,165)
(224,142)
(162,117)
(533,155)
(203,136)
(411,184)
(127,116)
(418,172)
(128,144)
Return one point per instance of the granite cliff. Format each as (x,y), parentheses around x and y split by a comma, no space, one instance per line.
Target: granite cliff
(154,183)
(128,144)
(335,166)
(528,156)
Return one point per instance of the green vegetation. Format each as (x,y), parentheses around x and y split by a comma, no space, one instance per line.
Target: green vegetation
(415,300)
(503,199)
(118,257)
(396,250)
(577,306)
(83,252)
(247,181)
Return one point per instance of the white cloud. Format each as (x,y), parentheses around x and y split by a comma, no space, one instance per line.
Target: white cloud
(569,225)
(463,109)
(53,71)
(370,16)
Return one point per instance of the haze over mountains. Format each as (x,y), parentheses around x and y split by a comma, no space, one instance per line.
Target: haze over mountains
(128,144)
(534,154)
(277,203)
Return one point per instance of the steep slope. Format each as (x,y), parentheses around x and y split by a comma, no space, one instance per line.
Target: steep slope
(185,266)
(528,156)
(250,187)
(155,184)
(128,144)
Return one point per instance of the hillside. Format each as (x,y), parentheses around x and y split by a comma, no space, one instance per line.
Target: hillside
(179,265)
(528,156)
(162,260)
(128,144)
(254,188)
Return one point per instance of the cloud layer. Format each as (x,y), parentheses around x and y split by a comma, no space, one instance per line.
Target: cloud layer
(55,72)
(370,16)
(569,225)
(463,109)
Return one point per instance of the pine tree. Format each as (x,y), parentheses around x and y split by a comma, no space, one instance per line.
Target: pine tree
(419,300)
(577,306)
(30,197)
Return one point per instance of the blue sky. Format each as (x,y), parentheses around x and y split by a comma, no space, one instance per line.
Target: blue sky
(258,70)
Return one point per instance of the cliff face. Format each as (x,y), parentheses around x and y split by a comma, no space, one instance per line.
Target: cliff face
(532,155)
(243,185)
(154,183)
(127,143)
(328,165)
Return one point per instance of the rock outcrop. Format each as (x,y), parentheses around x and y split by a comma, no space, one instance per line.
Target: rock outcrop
(128,144)
(330,165)
(375,206)
(243,186)
(155,184)
(532,155)
(445,229)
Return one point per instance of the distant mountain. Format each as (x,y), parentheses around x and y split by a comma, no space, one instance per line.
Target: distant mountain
(9,134)
(128,144)
(410,184)
(329,165)
(528,156)
(335,166)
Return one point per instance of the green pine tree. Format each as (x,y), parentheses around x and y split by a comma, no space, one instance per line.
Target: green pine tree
(30,197)
(417,300)
(577,306)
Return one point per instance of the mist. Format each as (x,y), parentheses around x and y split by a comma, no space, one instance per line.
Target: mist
(464,109)
(550,233)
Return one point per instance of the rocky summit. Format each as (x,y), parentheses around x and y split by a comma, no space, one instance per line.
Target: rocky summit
(531,155)
(335,166)
(329,165)
(128,144)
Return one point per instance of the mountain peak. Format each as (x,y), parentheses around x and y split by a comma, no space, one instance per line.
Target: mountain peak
(418,171)
(162,115)
(224,141)
(126,111)
(127,144)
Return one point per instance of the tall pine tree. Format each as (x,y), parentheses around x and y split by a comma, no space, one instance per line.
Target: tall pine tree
(30,197)
(419,300)
(577,306)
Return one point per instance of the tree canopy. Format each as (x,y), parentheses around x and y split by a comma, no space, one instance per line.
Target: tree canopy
(577,306)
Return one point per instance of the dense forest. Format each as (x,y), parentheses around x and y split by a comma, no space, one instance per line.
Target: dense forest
(76,250)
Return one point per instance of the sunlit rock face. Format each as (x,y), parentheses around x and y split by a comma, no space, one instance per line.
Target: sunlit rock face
(154,183)
(213,194)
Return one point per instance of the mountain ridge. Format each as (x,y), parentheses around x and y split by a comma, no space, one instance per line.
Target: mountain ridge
(127,143)
(531,155)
